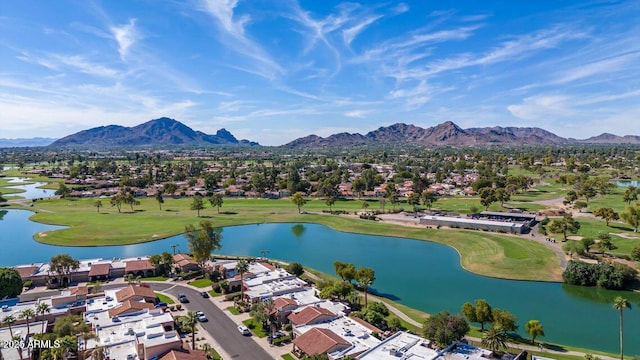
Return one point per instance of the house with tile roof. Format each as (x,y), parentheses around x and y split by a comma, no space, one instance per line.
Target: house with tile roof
(319,341)
(140,267)
(136,293)
(311,315)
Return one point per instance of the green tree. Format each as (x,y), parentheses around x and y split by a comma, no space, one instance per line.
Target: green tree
(10,283)
(365,277)
(329,202)
(504,320)
(631,194)
(414,201)
(580,205)
(469,312)
(63,190)
(619,304)
(635,253)
(170,188)
(242,267)
(495,338)
(566,224)
(299,200)
(197,204)
(295,268)
(346,271)
(62,265)
(487,197)
(391,194)
(483,312)
(607,214)
(117,200)
(98,205)
(42,309)
(571,196)
(605,243)
(203,242)
(428,198)
(502,195)
(443,328)
(631,215)
(189,321)
(216,200)
(27,315)
(159,196)
(9,320)
(534,328)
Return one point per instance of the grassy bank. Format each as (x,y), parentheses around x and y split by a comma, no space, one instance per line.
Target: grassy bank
(484,253)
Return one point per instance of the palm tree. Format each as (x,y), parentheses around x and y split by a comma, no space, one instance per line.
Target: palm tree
(242,268)
(18,339)
(495,338)
(67,345)
(27,314)
(97,353)
(190,320)
(41,309)
(9,320)
(620,303)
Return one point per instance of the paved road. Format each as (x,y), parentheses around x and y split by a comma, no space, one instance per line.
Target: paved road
(220,326)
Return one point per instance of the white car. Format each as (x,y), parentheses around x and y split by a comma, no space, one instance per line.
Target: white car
(244,330)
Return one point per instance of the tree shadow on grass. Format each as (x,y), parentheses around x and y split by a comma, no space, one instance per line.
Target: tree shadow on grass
(620,227)
(228,213)
(171,210)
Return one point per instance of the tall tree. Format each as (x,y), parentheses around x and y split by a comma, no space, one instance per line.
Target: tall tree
(9,320)
(620,303)
(365,277)
(495,338)
(428,198)
(190,320)
(27,315)
(42,309)
(117,200)
(98,205)
(203,242)
(159,196)
(487,197)
(330,201)
(414,201)
(10,283)
(62,265)
(216,200)
(299,200)
(631,194)
(607,214)
(170,188)
(566,224)
(242,267)
(346,271)
(605,243)
(534,328)
(479,312)
(631,215)
(197,204)
(443,328)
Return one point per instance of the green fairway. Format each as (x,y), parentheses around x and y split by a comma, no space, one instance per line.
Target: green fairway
(484,253)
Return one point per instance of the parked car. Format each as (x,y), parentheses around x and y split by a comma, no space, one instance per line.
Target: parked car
(244,330)
(204,294)
(201,316)
(183,298)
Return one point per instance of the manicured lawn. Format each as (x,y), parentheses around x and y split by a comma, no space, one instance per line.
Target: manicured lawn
(164,298)
(255,327)
(233,310)
(214,294)
(484,253)
(200,283)
(288,357)
(155,278)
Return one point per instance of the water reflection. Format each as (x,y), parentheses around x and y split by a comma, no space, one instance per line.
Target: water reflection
(298,230)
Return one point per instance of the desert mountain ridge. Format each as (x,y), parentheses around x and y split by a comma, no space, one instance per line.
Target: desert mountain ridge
(450,134)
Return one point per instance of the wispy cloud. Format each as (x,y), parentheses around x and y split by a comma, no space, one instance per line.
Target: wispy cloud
(351,33)
(234,36)
(126,35)
(360,114)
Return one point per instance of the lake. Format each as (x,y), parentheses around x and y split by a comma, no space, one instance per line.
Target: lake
(30,191)
(626,183)
(419,274)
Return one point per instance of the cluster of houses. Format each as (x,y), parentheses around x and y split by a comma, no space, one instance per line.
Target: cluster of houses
(129,323)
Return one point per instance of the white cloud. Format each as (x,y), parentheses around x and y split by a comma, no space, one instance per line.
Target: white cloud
(351,33)
(541,107)
(360,114)
(126,35)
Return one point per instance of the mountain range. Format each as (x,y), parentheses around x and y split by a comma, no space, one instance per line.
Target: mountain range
(158,132)
(170,132)
(450,134)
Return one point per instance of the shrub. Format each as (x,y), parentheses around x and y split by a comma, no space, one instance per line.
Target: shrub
(603,275)
(27,284)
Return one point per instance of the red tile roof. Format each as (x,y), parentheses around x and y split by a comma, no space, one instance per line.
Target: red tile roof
(100,269)
(283,302)
(184,354)
(129,307)
(267,265)
(26,271)
(138,291)
(311,314)
(319,341)
(366,324)
(138,265)
(79,290)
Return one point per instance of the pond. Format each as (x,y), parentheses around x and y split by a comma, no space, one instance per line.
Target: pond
(30,191)
(419,274)
(626,183)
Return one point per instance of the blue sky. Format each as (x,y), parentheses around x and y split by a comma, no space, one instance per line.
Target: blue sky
(272,71)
